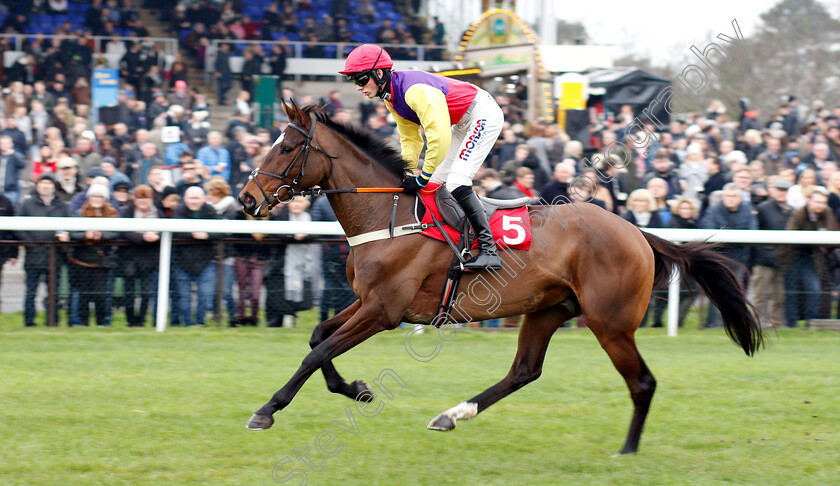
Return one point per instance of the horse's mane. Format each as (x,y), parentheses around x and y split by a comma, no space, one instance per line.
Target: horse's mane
(363,138)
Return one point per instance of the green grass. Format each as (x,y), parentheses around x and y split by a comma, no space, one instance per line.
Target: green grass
(131,406)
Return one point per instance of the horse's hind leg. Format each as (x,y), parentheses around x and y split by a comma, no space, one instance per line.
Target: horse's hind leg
(620,345)
(534,335)
(335,383)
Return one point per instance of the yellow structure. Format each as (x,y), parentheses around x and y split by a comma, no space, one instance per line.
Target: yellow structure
(501,44)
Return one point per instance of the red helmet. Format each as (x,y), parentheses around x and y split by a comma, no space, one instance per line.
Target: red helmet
(367,57)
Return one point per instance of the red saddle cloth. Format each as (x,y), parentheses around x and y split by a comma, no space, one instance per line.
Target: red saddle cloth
(511,227)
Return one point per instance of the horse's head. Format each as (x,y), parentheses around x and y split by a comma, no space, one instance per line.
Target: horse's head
(294,163)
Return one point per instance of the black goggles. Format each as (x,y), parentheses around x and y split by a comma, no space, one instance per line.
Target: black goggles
(359,80)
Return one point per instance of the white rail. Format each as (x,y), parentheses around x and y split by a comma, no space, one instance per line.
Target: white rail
(169,226)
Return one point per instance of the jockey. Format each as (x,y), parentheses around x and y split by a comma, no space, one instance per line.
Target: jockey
(461,123)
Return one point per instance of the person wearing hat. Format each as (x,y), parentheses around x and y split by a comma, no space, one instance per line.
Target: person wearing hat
(461,123)
(122,194)
(180,96)
(80,198)
(11,165)
(43,202)
(767,281)
(67,178)
(90,264)
(169,201)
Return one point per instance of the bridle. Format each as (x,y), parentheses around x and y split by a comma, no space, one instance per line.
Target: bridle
(303,152)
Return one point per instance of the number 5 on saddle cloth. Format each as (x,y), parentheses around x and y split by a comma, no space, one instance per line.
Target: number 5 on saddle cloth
(509,222)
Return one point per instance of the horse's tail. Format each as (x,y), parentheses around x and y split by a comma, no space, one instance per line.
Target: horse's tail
(713,273)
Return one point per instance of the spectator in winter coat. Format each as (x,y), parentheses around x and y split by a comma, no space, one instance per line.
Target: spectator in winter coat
(767,280)
(90,264)
(803,265)
(36,264)
(731,213)
(194,263)
(139,261)
(557,191)
(11,165)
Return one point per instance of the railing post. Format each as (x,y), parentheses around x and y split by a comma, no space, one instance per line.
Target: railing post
(674,302)
(52,298)
(163,280)
(220,281)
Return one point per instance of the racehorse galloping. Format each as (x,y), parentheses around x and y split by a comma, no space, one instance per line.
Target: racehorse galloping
(588,262)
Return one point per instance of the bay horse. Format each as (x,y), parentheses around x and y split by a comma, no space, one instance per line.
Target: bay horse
(587,262)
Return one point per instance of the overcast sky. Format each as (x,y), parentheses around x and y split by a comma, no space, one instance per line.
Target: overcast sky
(665,29)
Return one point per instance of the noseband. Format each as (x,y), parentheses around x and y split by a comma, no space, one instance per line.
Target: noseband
(304,152)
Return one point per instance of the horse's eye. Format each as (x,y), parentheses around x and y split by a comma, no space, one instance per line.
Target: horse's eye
(285,150)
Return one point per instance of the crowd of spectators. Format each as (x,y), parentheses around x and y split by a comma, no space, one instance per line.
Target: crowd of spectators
(54,163)
(318,21)
(706,170)
(703,170)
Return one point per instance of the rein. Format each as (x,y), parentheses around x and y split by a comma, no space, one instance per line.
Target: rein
(314,192)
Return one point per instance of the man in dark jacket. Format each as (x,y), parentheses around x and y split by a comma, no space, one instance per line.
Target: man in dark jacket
(139,261)
(250,68)
(731,213)
(803,265)
(36,263)
(238,156)
(662,167)
(767,281)
(11,165)
(773,158)
(491,181)
(194,262)
(224,76)
(557,191)
(18,137)
(7,252)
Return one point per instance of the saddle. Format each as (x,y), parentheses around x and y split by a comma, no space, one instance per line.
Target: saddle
(452,215)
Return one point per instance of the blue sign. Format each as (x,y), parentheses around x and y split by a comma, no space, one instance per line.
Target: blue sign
(106,86)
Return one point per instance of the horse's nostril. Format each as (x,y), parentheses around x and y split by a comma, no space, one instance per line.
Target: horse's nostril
(247,200)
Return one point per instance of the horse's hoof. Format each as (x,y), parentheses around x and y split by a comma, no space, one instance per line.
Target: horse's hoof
(442,422)
(260,422)
(363,392)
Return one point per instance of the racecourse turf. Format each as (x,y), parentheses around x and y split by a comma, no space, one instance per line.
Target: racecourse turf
(132,406)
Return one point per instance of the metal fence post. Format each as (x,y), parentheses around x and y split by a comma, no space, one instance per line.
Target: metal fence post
(52,291)
(163,280)
(674,302)
(220,281)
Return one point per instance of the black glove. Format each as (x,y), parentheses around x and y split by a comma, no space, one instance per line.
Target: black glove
(411,185)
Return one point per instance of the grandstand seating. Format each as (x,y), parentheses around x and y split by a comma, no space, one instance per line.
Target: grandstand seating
(47,23)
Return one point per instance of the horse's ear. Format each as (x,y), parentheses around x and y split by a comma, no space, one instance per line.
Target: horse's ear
(297,114)
(286,108)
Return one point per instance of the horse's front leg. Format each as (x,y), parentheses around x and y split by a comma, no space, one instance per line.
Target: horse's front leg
(335,383)
(371,318)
